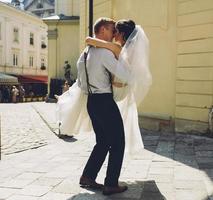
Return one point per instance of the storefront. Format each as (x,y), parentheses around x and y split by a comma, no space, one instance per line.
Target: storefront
(6,83)
(35,86)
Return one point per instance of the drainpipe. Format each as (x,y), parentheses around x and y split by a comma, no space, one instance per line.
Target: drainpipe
(90,18)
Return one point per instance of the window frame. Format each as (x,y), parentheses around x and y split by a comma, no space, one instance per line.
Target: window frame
(16,34)
(15,59)
(32,39)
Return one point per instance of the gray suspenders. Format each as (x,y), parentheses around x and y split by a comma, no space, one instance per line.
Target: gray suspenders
(85,65)
(87,76)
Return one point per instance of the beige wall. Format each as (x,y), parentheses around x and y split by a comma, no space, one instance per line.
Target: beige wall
(83,23)
(194,81)
(63,46)
(68,46)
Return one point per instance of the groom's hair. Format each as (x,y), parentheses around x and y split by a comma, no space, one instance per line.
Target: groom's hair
(103,21)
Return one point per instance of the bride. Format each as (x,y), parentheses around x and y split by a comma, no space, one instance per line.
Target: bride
(131,48)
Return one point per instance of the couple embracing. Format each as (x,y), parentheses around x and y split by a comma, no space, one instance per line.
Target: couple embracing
(113,79)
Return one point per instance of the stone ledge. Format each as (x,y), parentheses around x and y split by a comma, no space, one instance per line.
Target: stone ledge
(168,124)
(191,127)
(156,123)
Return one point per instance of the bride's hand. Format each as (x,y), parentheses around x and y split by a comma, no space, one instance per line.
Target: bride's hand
(89,40)
(119,84)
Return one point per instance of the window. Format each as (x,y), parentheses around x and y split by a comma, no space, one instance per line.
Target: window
(31,39)
(15,59)
(43,67)
(31,61)
(15,35)
(43,43)
(42,62)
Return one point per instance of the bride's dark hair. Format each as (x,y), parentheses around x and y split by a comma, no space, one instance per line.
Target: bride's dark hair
(125,27)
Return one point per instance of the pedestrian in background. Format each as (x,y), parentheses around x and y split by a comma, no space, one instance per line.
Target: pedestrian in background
(15,93)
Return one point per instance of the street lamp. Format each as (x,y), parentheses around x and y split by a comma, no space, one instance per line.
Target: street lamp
(90,18)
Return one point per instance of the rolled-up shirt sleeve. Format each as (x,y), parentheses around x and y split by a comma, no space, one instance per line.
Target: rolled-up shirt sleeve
(119,69)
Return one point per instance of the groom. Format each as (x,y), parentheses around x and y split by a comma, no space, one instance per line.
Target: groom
(95,66)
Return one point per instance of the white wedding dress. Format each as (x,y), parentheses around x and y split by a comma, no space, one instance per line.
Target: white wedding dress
(71,109)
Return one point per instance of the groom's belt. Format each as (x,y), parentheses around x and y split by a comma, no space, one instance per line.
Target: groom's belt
(100,94)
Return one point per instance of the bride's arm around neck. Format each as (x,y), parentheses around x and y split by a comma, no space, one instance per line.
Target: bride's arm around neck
(115,48)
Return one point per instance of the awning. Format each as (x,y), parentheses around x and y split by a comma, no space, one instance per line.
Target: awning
(6,79)
(32,79)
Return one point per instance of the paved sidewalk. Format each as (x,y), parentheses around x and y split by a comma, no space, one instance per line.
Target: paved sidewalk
(22,128)
(172,167)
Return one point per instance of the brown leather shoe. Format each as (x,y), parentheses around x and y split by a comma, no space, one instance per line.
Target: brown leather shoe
(113,190)
(88,182)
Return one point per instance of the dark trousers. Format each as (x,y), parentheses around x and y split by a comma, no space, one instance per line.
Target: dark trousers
(108,126)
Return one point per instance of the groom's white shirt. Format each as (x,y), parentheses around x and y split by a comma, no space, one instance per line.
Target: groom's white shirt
(99,62)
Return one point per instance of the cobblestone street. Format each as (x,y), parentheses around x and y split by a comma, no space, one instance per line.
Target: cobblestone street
(171,166)
(21,128)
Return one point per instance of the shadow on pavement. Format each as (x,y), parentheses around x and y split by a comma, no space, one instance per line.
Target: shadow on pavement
(67,138)
(191,150)
(144,190)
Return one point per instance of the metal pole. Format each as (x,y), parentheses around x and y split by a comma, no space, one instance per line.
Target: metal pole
(90,18)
